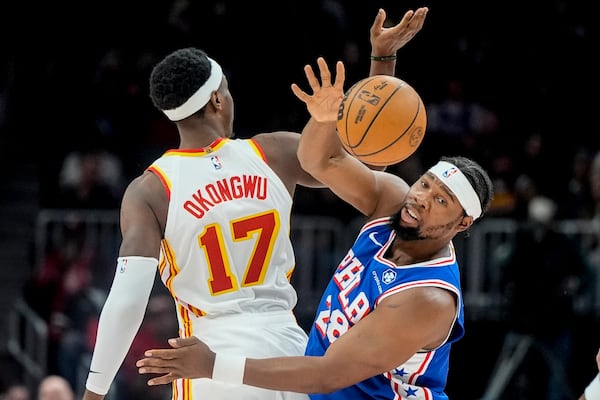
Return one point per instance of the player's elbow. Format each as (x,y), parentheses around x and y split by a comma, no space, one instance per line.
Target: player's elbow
(319,166)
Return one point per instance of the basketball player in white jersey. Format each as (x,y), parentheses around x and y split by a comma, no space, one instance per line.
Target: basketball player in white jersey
(393,307)
(592,390)
(214,217)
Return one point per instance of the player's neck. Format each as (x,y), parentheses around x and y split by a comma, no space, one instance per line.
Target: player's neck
(403,252)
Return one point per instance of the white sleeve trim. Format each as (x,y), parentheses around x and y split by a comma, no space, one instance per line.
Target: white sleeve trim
(592,391)
(120,319)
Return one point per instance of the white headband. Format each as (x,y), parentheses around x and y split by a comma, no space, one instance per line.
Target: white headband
(458,183)
(201,97)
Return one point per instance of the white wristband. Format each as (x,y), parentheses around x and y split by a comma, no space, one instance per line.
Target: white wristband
(229,368)
(592,391)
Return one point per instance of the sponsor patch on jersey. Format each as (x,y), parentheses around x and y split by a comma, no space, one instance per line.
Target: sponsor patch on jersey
(388,276)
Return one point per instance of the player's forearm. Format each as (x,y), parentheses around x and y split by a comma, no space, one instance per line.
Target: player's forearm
(295,374)
(319,146)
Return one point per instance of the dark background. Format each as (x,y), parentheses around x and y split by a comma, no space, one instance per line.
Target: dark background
(75,74)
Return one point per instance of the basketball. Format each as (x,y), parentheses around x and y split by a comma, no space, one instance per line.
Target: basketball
(381,120)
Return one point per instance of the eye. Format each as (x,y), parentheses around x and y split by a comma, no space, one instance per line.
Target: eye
(441,200)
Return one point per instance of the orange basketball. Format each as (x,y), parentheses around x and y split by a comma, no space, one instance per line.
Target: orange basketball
(382,120)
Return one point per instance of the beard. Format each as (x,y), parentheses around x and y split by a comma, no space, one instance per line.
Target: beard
(407,234)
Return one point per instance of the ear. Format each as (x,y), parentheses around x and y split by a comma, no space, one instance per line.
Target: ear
(465,223)
(215,99)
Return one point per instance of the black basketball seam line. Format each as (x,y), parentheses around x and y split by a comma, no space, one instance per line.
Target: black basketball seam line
(378,112)
(364,83)
(398,138)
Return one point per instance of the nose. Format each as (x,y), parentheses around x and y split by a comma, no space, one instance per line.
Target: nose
(421,198)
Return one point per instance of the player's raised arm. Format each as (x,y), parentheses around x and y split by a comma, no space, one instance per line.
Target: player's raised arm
(322,155)
(385,42)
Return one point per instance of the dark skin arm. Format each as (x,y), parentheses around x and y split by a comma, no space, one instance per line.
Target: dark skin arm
(387,41)
(366,350)
(366,346)
(372,346)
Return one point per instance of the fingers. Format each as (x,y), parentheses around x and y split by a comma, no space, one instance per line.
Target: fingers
(340,75)
(318,84)
(418,18)
(177,343)
(379,20)
(162,380)
(312,79)
(157,366)
(300,94)
(154,364)
(324,71)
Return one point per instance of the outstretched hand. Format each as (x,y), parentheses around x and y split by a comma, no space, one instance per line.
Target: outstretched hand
(387,41)
(324,104)
(188,358)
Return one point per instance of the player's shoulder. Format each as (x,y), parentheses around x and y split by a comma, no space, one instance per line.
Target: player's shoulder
(393,190)
(279,147)
(146,185)
(276,138)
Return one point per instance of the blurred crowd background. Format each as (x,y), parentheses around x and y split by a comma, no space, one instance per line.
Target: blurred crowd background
(512,85)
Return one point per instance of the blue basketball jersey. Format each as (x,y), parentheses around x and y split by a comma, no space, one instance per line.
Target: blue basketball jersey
(362,280)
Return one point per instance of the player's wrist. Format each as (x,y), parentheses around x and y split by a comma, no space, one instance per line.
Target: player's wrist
(229,368)
(389,57)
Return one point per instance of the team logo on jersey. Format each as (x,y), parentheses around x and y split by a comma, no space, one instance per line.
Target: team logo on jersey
(216,162)
(388,276)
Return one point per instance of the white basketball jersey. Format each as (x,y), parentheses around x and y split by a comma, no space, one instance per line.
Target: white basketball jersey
(227,245)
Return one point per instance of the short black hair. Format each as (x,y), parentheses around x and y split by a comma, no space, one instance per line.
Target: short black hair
(477,177)
(178,76)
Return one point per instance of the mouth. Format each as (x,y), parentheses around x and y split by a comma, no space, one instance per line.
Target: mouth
(409,217)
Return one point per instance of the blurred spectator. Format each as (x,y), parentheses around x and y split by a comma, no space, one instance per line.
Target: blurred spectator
(159,325)
(59,290)
(575,202)
(594,182)
(525,190)
(456,123)
(55,387)
(543,276)
(16,391)
(536,161)
(90,178)
(502,173)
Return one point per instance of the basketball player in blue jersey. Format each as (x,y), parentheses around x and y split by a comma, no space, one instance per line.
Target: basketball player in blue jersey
(213,216)
(393,307)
